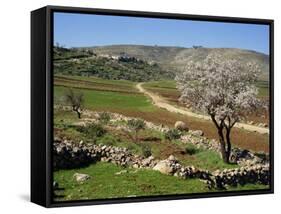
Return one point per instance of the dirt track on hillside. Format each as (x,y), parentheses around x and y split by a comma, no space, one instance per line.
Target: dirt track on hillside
(162,103)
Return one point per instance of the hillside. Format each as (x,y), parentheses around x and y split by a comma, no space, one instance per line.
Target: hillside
(145,62)
(88,63)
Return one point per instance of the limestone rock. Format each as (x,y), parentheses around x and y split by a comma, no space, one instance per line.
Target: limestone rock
(79,177)
(180,125)
(163,167)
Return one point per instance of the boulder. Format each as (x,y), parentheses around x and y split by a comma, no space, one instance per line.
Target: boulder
(164,167)
(172,158)
(79,177)
(180,125)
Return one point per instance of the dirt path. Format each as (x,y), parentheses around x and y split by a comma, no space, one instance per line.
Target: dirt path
(162,103)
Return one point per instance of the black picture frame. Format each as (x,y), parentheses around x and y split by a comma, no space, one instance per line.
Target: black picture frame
(42,101)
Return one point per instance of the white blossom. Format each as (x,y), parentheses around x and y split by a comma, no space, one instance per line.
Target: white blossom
(223,88)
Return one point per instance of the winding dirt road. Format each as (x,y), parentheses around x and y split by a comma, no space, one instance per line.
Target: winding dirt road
(162,103)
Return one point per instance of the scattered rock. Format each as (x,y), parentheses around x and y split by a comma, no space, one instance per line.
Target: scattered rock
(197,133)
(121,172)
(180,125)
(79,177)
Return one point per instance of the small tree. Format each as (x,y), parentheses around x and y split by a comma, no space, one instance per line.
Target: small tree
(104,118)
(136,125)
(223,89)
(75,100)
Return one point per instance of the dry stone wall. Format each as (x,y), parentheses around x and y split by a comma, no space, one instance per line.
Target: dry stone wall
(67,154)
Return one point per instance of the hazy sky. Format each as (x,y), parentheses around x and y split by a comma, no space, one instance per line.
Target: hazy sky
(77,30)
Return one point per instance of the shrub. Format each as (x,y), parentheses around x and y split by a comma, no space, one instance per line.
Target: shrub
(93,130)
(104,118)
(136,125)
(191,149)
(173,134)
(107,140)
(146,151)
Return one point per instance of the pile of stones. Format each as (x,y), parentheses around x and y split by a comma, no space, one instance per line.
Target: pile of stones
(201,142)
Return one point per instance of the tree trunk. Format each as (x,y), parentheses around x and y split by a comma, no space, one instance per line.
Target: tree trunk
(228,151)
(224,154)
(78,114)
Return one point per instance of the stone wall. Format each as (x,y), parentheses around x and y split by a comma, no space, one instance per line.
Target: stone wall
(232,177)
(67,154)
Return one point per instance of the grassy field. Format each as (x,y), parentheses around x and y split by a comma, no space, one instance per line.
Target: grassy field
(131,103)
(104,183)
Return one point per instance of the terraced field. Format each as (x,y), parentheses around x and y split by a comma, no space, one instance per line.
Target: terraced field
(122,97)
(167,89)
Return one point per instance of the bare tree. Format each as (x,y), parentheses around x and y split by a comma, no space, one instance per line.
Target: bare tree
(224,89)
(75,100)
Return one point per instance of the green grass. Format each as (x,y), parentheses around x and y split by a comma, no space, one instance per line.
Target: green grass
(111,101)
(210,160)
(263,87)
(203,159)
(168,84)
(104,183)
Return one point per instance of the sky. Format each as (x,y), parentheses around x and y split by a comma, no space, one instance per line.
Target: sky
(83,30)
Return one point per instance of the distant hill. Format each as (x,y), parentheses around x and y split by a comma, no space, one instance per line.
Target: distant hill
(169,60)
(89,63)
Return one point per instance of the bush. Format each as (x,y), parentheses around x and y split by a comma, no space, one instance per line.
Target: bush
(93,130)
(173,134)
(146,151)
(136,125)
(107,140)
(191,149)
(104,118)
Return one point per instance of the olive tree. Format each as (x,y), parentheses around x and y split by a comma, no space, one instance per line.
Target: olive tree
(222,88)
(75,100)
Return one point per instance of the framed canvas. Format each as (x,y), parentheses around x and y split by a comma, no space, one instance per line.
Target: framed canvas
(134,106)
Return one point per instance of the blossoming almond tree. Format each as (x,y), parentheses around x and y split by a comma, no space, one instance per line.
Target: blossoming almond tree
(224,89)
